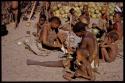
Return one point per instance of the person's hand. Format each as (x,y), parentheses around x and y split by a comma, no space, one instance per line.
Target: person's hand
(62,37)
(100,45)
(57,44)
(70,49)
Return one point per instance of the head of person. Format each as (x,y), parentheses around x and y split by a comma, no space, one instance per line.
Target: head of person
(85,7)
(55,22)
(83,19)
(112,36)
(42,19)
(83,15)
(48,5)
(117,16)
(72,11)
(79,29)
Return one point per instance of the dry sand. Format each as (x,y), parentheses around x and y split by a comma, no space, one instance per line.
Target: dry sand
(14,58)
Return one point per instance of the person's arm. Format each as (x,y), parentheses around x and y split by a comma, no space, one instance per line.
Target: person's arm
(46,42)
(104,42)
(65,27)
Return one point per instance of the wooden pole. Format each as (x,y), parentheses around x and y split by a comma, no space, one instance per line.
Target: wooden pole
(46,13)
(28,23)
(70,29)
(32,11)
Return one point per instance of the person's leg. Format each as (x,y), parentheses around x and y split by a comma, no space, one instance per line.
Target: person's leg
(79,56)
(40,37)
(62,36)
(102,53)
(112,53)
(38,29)
(84,69)
(16,20)
(18,17)
(90,72)
(84,72)
(68,76)
(105,54)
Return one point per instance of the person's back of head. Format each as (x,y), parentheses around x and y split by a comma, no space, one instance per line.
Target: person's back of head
(55,19)
(113,35)
(42,16)
(4,30)
(55,22)
(71,11)
(79,27)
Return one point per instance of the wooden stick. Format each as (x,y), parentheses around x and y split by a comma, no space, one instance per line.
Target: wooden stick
(32,11)
(29,48)
(70,30)
(46,13)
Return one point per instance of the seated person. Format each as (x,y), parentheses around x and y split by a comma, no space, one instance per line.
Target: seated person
(117,26)
(16,12)
(51,38)
(74,18)
(109,49)
(103,23)
(85,12)
(40,25)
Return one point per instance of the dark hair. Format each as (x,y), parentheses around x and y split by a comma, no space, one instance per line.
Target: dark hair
(55,18)
(83,13)
(85,6)
(49,6)
(42,16)
(4,30)
(119,13)
(79,27)
(71,10)
(113,35)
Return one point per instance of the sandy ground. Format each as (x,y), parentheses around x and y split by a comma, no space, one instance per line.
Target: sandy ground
(14,67)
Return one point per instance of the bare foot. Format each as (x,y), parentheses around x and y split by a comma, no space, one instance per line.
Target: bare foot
(68,76)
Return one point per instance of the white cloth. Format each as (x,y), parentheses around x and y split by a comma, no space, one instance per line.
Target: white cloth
(118,9)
